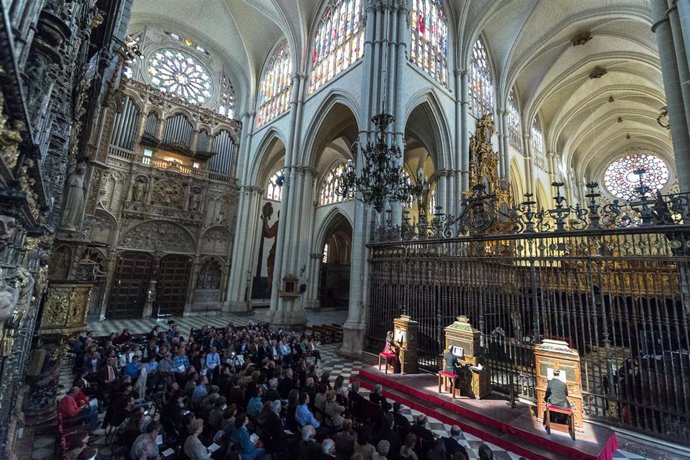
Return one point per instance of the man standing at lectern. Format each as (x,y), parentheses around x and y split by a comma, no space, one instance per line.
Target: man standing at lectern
(556,394)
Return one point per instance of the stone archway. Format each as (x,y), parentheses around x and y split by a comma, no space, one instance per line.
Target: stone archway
(334,281)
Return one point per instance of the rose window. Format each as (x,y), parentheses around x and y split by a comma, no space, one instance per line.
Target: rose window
(622,177)
(180,74)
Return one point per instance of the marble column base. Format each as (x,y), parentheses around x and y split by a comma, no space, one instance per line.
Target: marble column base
(288,320)
(354,336)
(236,306)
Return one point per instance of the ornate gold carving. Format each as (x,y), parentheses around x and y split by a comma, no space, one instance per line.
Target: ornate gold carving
(65,308)
(484,172)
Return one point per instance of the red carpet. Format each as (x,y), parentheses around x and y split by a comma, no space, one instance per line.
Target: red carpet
(513,429)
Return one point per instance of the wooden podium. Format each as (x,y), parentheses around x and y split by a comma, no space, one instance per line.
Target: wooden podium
(405,343)
(555,354)
(464,342)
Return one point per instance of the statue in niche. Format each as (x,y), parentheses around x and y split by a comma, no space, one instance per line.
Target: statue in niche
(74,204)
(139,191)
(8,228)
(195,200)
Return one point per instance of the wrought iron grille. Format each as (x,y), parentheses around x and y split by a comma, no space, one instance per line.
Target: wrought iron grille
(620,296)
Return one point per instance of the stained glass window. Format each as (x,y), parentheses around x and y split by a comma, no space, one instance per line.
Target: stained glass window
(621,180)
(538,152)
(324,259)
(179,74)
(227,98)
(327,194)
(274,91)
(514,128)
(429,47)
(274,189)
(480,82)
(338,41)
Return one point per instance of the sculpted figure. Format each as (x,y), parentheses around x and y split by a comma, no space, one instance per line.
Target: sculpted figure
(8,299)
(74,204)
(8,227)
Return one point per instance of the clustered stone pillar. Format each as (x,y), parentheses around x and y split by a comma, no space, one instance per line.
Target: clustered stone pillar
(672,37)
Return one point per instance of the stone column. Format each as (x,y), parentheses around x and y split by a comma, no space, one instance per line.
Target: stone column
(465,129)
(681,54)
(238,297)
(529,173)
(503,145)
(674,94)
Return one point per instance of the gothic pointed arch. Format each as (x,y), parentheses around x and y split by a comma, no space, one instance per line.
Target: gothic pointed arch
(336,117)
(437,137)
(269,151)
(159,236)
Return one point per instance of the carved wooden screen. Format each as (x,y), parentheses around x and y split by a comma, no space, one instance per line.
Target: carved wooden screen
(130,285)
(171,290)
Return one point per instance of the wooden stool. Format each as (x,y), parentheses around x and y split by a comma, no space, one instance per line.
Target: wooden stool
(563,427)
(443,378)
(389,361)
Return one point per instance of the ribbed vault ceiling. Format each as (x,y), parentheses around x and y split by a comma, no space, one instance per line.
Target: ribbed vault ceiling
(530,45)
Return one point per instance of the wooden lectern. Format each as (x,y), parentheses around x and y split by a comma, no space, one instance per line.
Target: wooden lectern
(464,342)
(405,343)
(555,354)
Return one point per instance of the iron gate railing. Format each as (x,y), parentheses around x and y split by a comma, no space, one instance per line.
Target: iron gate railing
(619,296)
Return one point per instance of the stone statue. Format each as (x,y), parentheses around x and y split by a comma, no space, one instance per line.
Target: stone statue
(194,200)
(74,204)
(8,227)
(139,191)
(8,298)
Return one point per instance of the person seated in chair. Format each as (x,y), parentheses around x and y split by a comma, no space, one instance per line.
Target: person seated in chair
(556,395)
(377,398)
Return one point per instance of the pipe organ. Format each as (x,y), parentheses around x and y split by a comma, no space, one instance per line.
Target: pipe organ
(223,145)
(202,142)
(151,126)
(125,125)
(178,130)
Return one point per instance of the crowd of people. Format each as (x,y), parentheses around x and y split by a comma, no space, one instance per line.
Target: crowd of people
(234,393)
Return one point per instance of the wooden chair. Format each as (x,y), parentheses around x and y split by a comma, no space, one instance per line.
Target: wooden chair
(446,379)
(389,361)
(563,427)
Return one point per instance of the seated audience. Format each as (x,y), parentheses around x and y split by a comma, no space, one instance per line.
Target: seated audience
(382,450)
(425,439)
(142,442)
(485,452)
(241,438)
(79,442)
(453,442)
(362,445)
(407,450)
(345,439)
(75,413)
(308,449)
(193,447)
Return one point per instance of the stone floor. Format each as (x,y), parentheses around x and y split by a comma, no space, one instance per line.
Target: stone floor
(43,447)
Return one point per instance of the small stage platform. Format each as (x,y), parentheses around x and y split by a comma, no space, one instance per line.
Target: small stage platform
(514,429)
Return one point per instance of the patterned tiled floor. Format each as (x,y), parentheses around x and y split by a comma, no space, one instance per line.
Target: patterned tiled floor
(332,362)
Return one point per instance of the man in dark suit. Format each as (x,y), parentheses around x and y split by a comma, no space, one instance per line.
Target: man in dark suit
(453,442)
(451,362)
(425,439)
(556,395)
(377,398)
(401,422)
(557,391)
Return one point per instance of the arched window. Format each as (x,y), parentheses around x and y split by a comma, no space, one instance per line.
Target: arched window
(514,128)
(274,91)
(227,98)
(324,258)
(338,41)
(180,74)
(622,177)
(480,82)
(538,153)
(429,47)
(274,188)
(327,194)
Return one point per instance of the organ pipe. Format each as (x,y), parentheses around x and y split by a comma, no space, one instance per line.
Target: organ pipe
(151,124)
(125,126)
(223,148)
(202,142)
(178,130)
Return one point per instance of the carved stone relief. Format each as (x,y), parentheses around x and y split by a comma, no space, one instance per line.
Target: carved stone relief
(111,190)
(158,236)
(91,266)
(59,265)
(215,241)
(139,189)
(101,229)
(168,193)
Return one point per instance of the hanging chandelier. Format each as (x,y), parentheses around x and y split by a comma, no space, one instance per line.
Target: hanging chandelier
(381,178)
